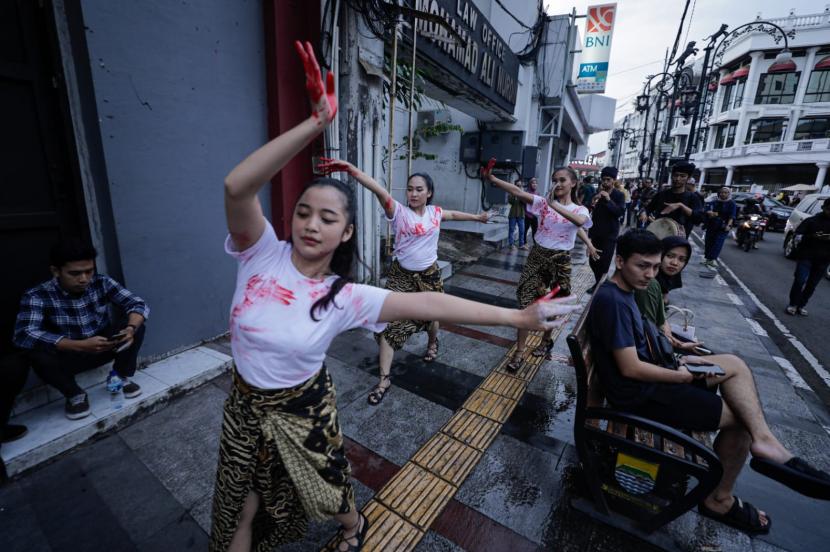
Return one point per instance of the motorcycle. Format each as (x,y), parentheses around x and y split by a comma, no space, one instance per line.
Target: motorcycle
(750,231)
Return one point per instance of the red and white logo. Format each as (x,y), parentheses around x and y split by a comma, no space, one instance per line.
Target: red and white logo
(600,19)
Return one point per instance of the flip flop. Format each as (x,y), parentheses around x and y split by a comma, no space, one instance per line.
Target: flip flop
(743,516)
(796,474)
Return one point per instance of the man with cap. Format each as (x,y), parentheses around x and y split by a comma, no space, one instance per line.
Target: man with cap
(676,202)
(608,206)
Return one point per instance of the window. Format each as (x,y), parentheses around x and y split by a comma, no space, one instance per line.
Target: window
(733,95)
(818,89)
(725,136)
(777,88)
(766,130)
(812,129)
(727,98)
(804,206)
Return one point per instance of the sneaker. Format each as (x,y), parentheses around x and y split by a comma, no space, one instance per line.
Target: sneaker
(131,389)
(791,310)
(77,407)
(524,247)
(13,432)
(802,311)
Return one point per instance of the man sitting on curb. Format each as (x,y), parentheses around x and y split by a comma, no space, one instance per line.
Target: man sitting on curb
(65,325)
(634,383)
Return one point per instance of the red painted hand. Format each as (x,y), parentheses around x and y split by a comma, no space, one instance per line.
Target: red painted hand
(328,166)
(485,171)
(323,98)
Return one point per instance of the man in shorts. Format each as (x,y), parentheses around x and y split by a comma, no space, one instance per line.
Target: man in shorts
(683,400)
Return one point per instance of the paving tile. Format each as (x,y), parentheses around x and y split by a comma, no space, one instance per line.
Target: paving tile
(514,484)
(181,534)
(19,527)
(180,444)
(464,353)
(192,367)
(351,383)
(433,542)
(201,511)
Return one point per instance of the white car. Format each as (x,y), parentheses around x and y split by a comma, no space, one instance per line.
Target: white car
(807,207)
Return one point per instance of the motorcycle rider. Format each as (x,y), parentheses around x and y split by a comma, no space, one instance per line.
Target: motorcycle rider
(751,207)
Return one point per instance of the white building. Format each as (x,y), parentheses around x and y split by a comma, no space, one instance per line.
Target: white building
(769,123)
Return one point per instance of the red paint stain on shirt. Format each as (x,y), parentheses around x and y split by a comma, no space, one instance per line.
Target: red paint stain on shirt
(261,290)
(419,230)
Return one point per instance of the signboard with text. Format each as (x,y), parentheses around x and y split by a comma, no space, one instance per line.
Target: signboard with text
(484,63)
(593,66)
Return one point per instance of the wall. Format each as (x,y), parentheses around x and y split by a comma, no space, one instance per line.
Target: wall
(180,91)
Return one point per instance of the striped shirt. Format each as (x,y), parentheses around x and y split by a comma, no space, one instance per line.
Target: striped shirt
(48,313)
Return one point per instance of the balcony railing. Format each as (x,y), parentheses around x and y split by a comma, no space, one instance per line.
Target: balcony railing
(771,148)
(802,21)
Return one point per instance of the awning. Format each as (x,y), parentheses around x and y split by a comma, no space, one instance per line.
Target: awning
(799,188)
(823,64)
(741,73)
(728,79)
(784,67)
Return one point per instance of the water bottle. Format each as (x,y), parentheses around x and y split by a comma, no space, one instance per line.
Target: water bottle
(114,385)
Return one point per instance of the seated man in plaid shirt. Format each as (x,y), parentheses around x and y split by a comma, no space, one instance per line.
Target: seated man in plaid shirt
(66,327)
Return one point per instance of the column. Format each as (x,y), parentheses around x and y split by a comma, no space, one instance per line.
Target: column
(750,90)
(822,173)
(806,71)
(730,172)
(702,177)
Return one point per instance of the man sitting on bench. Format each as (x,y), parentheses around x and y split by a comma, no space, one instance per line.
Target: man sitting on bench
(678,398)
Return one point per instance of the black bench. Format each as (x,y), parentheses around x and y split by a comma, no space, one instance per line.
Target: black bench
(640,474)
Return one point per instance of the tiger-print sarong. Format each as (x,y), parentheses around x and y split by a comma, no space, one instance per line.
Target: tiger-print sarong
(544,269)
(400,279)
(286,446)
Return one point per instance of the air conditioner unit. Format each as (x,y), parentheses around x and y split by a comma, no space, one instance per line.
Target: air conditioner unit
(432,117)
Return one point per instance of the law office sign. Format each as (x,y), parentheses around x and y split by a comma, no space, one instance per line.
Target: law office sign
(593,66)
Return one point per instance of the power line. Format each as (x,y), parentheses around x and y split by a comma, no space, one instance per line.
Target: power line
(511,15)
(691,18)
(637,67)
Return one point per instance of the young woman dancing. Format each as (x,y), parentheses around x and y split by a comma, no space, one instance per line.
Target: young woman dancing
(281,455)
(416,226)
(549,262)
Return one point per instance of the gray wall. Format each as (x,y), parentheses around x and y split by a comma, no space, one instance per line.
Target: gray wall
(181,95)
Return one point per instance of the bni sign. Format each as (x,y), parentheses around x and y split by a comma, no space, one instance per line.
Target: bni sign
(593,66)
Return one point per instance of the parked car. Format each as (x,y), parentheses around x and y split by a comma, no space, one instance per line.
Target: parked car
(806,208)
(777,213)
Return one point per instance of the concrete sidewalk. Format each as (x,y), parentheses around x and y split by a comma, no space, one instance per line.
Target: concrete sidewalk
(148,486)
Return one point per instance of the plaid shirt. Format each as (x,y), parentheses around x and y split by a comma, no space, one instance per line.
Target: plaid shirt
(48,313)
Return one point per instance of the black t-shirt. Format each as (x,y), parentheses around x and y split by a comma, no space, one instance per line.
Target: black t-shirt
(815,247)
(606,216)
(689,199)
(615,322)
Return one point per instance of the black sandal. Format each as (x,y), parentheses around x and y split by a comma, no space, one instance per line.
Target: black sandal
(544,348)
(796,474)
(432,350)
(377,394)
(359,536)
(516,362)
(743,516)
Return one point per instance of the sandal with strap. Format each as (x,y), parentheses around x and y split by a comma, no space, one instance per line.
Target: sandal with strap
(742,516)
(544,348)
(376,395)
(358,537)
(516,362)
(432,351)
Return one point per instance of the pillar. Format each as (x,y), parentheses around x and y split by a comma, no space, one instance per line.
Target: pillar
(822,174)
(730,172)
(702,177)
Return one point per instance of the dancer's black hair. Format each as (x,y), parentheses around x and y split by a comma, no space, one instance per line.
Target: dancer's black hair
(430,185)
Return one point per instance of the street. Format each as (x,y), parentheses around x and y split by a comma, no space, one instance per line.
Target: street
(769,275)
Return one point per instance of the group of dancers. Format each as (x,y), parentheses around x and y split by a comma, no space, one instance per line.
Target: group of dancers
(282,460)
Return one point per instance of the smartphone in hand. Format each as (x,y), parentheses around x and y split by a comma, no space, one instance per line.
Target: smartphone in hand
(708,369)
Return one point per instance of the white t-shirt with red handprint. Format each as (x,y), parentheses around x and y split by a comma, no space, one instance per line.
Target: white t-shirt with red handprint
(416,237)
(555,231)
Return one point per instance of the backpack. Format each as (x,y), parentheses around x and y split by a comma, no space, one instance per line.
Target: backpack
(659,347)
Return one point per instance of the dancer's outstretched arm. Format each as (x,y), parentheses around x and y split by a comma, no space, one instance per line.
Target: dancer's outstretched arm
(512,189)
(461,215)
(593,252)
(242,208)
(328,166)
(544,314)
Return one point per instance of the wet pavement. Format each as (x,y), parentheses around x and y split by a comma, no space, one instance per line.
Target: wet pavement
(148,486)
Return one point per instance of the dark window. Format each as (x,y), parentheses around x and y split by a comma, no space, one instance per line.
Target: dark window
(727,98)
(777,88)
(766,130)
(738,95)
(812,129)
(725,136)
(818,89)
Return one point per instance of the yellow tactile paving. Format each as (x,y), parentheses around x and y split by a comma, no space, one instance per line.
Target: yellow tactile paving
(417,495)
(490,405)
(504,385)
(472,429)
(406,506)
(447,458)
(388,531)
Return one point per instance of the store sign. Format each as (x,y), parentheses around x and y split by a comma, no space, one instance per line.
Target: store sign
(483,63)
(593,66)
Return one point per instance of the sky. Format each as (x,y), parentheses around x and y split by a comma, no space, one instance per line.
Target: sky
(644,29)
